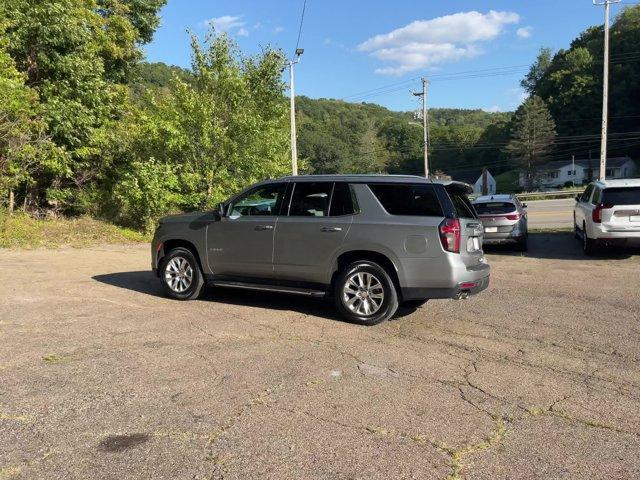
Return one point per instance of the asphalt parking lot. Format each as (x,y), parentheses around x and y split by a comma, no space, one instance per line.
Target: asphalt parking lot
(101,377)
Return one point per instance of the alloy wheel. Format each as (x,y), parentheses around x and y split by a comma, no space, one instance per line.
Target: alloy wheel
(363,293)
(178,274)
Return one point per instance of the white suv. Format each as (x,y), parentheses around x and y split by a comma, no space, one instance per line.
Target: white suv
(608,213)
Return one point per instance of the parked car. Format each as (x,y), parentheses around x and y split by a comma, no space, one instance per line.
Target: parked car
(504,219)
(608,214)
(371,242)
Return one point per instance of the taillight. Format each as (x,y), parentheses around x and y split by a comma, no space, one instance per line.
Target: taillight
(450,234)
(596,214)
(515,216)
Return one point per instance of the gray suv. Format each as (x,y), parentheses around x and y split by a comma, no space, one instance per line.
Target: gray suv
(370,242)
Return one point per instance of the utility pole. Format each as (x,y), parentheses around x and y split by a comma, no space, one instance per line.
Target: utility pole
(425,124)
(605,87)
(292,94)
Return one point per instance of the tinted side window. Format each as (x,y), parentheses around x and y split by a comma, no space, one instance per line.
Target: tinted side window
(414,200)
(343,201)
(597,195)
(310,199)
(463,206)
(261,201)
(587,194)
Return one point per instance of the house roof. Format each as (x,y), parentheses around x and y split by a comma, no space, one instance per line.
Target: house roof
(467,176)
(586,163)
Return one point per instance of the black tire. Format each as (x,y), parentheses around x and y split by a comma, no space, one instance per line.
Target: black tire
(589,246)
(414,303)
(576,230)
(169,275)
(389,303)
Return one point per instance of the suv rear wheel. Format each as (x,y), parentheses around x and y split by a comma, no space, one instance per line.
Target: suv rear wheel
(180,274)
(365,294)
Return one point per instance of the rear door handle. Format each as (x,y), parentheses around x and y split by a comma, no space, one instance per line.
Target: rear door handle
(263,227)
(331,229)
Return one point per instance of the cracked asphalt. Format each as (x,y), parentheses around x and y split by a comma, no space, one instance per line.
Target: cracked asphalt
(103,378)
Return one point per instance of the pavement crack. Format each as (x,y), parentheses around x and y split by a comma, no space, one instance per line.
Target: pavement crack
(456,455)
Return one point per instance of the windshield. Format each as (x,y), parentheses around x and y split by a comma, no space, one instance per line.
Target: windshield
(494,208)
(622,196)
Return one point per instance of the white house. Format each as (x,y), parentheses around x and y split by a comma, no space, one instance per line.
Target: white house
(563,172)
(474,178)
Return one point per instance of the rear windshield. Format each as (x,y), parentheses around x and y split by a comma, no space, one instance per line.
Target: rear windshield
(622,196)
(494,208)
(413,200)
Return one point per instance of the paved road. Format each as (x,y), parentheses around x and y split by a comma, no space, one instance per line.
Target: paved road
(102,378)
(551,213)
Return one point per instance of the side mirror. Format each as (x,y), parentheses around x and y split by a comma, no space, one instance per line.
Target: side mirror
(524,205)
(577,198)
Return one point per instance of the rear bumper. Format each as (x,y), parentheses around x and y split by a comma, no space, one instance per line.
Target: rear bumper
(600,232)
(451,280)
(498,238)
(462,290)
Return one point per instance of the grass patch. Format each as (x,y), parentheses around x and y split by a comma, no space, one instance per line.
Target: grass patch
(550,230)
(53,358)
(22,231)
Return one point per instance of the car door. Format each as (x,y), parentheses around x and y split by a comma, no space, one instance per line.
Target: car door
(317,221)
(241,243)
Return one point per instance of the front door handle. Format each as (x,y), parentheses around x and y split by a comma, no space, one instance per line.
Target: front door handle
(331,229)
(263,227)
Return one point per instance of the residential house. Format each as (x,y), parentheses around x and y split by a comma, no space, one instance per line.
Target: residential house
(566,172)
(474,178)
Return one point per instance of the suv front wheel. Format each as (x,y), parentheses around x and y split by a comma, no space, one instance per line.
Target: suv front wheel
(365,294)
(180,274)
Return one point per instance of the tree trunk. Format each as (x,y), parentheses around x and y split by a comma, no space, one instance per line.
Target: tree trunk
(12,201)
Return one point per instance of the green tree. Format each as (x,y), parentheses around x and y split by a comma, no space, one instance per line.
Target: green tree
(202,140)
(532,136)
(77,56)
(537,70)
(24,147)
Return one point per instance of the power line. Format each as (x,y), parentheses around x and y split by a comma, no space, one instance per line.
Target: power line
(304,9)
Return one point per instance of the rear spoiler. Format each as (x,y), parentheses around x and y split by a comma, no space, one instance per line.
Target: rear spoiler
(456,187)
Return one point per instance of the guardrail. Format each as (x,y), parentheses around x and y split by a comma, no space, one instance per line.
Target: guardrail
(549,195)
(542,195)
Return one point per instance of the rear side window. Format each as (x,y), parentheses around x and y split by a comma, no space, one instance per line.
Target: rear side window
(587,194)
(412,200)
(494,208)
(622,196)
(311,199)
(343,201)
(463,206)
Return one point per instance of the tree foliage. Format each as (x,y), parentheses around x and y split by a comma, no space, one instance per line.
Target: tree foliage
(533,132)
(570,83)
(201,140)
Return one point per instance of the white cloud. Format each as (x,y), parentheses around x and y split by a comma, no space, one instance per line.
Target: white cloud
(493,109)
(425,43)
(226,23)
(278,29)
(524,32)
(243,32)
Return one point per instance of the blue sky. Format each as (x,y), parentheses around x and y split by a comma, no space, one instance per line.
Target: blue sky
(355,46)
